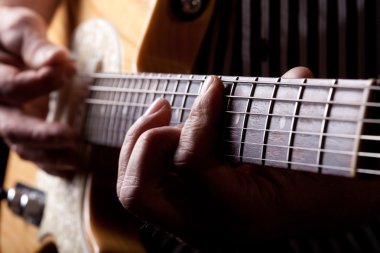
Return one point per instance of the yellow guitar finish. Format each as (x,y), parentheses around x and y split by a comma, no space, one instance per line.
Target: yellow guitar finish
(152,40)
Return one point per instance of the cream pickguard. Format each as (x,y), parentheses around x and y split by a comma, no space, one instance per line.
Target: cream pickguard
(96,48)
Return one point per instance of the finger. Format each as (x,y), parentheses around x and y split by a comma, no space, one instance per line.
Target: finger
(20,129)
(19,86)
(157,115)
(149,189)
(24,35)
(64,158)
(200,132)
(298,72)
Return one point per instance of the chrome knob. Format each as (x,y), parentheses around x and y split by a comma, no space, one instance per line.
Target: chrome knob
(188,9)
(27,202)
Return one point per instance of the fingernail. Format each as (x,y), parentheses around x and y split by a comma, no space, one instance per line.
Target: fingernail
(207,84)
(155,106)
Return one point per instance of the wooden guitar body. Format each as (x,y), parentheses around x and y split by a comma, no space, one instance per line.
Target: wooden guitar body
(83,214)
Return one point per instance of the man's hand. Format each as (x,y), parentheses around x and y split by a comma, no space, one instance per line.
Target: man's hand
(173,177)
(30,68)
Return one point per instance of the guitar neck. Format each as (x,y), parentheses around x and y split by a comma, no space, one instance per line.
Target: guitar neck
(317,125)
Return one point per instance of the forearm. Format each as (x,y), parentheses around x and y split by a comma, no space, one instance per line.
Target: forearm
(45,8)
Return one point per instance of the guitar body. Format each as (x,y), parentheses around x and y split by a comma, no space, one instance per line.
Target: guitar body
(84,214)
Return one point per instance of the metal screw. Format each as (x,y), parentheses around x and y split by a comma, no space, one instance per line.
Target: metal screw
(191,6)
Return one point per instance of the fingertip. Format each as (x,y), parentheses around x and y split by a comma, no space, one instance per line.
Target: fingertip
(210,82)
(157,105)
(298,72)
(48,54)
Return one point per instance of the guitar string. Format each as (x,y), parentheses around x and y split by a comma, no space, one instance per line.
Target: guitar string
(240,80)
(324,150)
(362,154)
(98,102)
(323,166)
(364,137)
(177,93)
(169,93)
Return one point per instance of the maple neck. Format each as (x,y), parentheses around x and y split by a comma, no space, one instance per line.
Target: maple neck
(317,125)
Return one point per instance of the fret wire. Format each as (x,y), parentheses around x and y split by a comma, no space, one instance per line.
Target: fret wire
(156,83)
(324,128)
(127,109)
(141,111)
(111,96)
(228,104)
(232,79)
(91,101)
(171,101)
(359,130)
(135,100)
(94,121)
(121,112)
(98,113)
(184,99)
(91,122)
(293,124)
(118,119)
(163,93)
(201,85)
(113,113)
(121,121)
(267,123)
(102,134)
(245,121)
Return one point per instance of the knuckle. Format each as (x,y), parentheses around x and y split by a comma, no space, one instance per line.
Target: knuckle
(151,137)
(134,131)
(130,197)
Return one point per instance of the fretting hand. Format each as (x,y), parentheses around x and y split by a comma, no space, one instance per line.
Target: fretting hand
(173,178)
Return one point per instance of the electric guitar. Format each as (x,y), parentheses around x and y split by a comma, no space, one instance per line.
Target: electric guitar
(315,125)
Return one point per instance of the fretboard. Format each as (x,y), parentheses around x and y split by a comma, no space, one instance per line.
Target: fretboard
(317,125)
